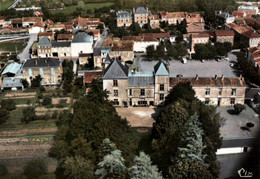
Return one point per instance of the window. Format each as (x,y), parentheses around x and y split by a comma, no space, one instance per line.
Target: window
(115,92)
(207,92)
(130,92)
(142,92)
(220,91)
(116,102)
(162,87)
(207,101)
(115,83)
(233,93)
(161,96)
(232,101)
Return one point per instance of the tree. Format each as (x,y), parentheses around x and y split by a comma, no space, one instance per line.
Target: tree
(107,147)
(28,115)
(150,51)
(36,82)
(181,49)
(46,101)
(25,83)
(35,168)
(8,104)
(78,167)
(112,165)
(81,6)
(67,2)
(143,168)
(239,108)
(4,115)
(3,170)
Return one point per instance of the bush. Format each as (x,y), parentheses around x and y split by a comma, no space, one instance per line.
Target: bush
(55,115)
(46,101)
(28,115)
(239,108)
(3,170)
(4,114)
(249,124)
(8,104)
(35,168)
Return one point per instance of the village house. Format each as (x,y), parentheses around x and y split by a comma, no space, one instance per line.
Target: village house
(90,75)
(122,50)
(100,54)
(141,16)
(84,58)
(44,47)
(251,37)
(224,36)
(50,69)
(248,9)
(195,24)
(50,35)
(141,43)
(65,37)
(81,43)
(16,22)
(11,83)
(61,49)
(130,88)
(201,38)
(254,57)
(223,17)
(154,21)
(36,29)
(173,17)
(2,21)
(95,33)
(29,21)
(86,23)
(124,19)
(159,36)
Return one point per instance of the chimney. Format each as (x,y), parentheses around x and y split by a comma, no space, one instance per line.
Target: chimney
(36,62)
(216,76)
(197,77)
(222,78)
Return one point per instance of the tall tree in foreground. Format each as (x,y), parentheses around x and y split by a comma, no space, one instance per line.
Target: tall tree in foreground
(143,168)
(112,166)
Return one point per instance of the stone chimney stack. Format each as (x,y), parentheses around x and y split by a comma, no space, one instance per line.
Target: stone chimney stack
(216,77)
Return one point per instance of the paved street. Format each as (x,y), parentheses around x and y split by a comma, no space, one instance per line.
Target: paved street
(103,37)
(25,53)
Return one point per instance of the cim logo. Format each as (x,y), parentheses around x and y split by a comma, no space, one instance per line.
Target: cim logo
(244,174)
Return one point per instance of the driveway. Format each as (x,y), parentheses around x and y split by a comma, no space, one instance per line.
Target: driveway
(138,116)
(26,51)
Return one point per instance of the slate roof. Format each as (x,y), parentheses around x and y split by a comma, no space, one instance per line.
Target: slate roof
(123,15)
(140,79)
(10,82)
(224,15)
(82,37)
(12,68)
(107,59)
(60,44)
(42,62)
(97,50)
(160,69)
(251,93)
(141,10)
(116,70)
(45,41)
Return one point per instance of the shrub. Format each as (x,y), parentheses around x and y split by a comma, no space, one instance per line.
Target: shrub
(4,114)
(239,108)
(8,104)
(35,168)
(249,124)
(28,115)
(46,101)
(3,170)
(55,115)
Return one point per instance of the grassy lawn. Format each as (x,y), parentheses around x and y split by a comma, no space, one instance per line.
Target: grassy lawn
(10,46)
(15,116)
(24,101)
(71,9)
(5,5)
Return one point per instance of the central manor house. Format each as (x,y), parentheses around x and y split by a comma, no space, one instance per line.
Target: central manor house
(128,88)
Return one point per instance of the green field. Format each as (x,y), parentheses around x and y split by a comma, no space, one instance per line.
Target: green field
(5,5)
(71,9)
(10,46)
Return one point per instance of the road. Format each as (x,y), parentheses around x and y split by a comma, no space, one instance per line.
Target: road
(26,51)
(104,36)
(14,4)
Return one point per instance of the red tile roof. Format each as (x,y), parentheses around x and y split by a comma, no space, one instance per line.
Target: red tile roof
(224,33)
(251,34)
(139,38)
(200,35)
(210,33)
(32,19)
(209,81)
(65,36)
(123,46)
(190,20)
(89,76)
(155,35)
(46,34)
(238,14)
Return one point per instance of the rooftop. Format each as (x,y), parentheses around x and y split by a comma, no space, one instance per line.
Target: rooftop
(60,44)
(42,62)
(116,70)
(90,75)
(224,33)
(124,15)
(141,10)
(82,37)
(10,82)
(45,41)
(65,36)
(12,68)
(140,38)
